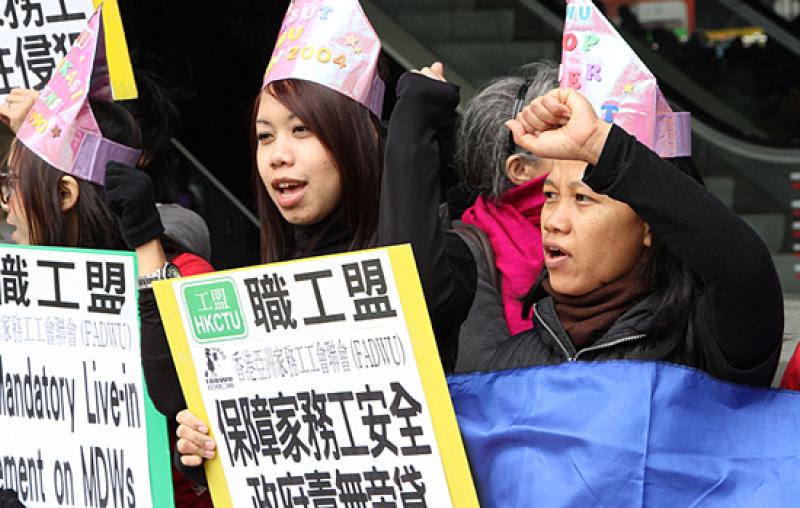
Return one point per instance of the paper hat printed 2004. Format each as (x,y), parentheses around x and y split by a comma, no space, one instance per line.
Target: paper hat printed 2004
(329,42)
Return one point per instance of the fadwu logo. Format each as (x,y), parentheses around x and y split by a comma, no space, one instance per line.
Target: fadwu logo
(216,376)
(214,310)
(214,358)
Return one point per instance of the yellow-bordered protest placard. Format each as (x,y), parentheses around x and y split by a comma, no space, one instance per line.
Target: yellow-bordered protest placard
(320,381)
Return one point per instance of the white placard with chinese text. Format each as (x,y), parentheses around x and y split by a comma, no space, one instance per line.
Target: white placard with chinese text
(312,384)
(73,418)
(34,36)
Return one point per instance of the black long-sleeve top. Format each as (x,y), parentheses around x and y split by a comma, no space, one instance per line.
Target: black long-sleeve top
(160,375)
(410,196)
(741,304)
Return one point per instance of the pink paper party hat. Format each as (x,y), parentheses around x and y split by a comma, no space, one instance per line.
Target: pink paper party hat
(329,42)
(596,61)
(61,128)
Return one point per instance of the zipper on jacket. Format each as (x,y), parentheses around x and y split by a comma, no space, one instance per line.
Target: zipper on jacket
(598,347)
(552,333)
(609,344)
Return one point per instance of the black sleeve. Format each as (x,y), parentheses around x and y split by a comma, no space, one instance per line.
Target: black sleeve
(10,499)
(741,307)
(197,474)
(410,196)
(159,370)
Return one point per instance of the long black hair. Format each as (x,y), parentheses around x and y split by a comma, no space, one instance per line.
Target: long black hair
(351,135)
(40,187)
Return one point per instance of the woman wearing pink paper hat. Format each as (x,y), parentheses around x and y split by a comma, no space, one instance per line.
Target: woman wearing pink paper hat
(51,206)
(48,206)
(92,196)
(318,152)
(646,264)
(642,261)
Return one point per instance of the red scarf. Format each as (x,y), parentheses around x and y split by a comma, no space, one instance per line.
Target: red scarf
(513,226)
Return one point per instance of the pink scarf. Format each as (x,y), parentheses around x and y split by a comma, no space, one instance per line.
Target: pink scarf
(512,224)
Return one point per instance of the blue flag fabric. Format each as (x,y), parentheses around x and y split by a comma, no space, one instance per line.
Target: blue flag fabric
(627,434)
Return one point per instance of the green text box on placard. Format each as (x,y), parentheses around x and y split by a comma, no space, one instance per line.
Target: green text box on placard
(214,310)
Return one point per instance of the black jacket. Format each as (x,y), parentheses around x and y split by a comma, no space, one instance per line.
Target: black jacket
(736,323)
(409,205)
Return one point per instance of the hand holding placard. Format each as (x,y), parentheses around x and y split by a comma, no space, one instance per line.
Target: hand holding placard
(316,375)
(194,444)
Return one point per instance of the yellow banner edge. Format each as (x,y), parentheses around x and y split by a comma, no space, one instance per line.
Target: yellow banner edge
(445,426)
(120,69)
(182,357)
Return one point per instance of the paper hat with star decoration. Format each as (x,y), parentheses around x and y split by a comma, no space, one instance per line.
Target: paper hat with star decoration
(596,61)
(61,128)
(329,42)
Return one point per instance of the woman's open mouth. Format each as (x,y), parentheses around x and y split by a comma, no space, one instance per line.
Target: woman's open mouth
(288,192)
(554,256)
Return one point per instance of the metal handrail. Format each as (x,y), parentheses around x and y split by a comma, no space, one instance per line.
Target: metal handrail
(407,50)
(751,151)
(777,32)
(215,182)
